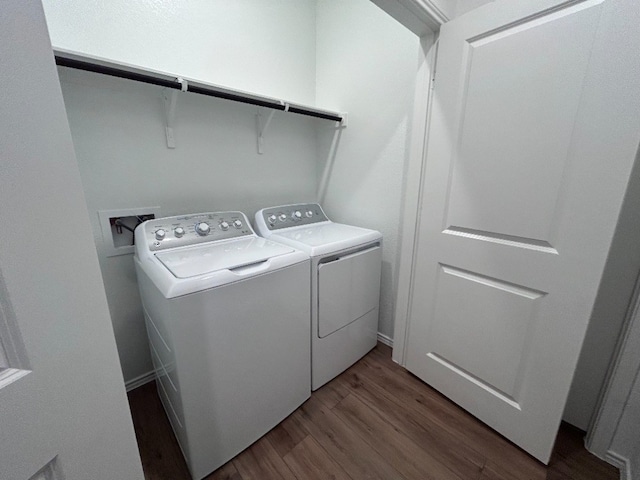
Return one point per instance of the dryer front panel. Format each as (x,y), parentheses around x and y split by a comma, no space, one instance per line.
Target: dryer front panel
(348,289)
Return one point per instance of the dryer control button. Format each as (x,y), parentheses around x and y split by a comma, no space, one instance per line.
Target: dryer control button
(237,224)
(178,232)
(160,234)
(224,226)
(203,228)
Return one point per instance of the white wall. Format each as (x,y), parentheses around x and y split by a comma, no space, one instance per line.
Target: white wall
(607,317)
(366,65)
(118,132)
(265,47)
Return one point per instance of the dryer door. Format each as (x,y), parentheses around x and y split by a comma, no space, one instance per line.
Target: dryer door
(348,288)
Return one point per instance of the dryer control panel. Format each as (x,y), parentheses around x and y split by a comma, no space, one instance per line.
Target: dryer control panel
(286,216)
(183,230)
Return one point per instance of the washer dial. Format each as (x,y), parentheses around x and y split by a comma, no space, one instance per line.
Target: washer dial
(178,232)
(224,225)
(202,228)
(272,219)
(160,234)
(237,224)
(297,215)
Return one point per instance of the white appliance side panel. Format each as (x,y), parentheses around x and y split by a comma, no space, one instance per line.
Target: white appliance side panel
(348,288)
(243,361)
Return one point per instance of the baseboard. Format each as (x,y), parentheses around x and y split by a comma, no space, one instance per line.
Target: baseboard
(620,462)
(140,380)
(386,340)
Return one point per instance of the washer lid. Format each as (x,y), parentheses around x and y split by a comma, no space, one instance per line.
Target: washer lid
(316,239)
(199,260)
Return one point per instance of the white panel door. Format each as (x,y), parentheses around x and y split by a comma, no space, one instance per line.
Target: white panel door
(535,126)
(63,409)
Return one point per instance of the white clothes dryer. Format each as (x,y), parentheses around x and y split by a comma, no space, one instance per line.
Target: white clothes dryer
(345,283)
(227,315)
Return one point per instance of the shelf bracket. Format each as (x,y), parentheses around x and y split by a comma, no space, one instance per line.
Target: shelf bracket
(170,100)
(344,123)
(263,125)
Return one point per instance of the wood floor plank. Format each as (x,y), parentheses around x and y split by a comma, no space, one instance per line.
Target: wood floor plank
(309,461)
(287,434)
(573,461)
(331,393)
(226,472)
(409,392)
(344,446)
(160,454)
(391,444)
(441,445)
(261,462)
(317,439)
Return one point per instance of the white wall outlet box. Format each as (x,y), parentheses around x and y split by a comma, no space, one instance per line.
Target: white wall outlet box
(116,226)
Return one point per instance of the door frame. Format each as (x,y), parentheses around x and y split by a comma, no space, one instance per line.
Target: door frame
(620,383)
(414,181)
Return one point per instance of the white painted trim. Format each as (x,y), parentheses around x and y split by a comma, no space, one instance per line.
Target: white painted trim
(620,462)
(421,17)
(619,382)
(412,198)
(388,341)
(140,380)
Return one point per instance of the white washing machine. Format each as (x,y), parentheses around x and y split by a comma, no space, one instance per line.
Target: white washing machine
(227,314)
(345,283)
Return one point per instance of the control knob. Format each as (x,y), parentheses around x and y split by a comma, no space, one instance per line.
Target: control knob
(178,232)
(224,225)
(282,217)
(203,228)
(272,219)
(237,224)
(160,234)
(309,214)
(297,215)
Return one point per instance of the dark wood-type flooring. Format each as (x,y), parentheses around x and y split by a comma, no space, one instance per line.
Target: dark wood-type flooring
(375,421)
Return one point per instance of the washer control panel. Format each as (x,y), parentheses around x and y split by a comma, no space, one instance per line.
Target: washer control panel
(183,230)
(293,215)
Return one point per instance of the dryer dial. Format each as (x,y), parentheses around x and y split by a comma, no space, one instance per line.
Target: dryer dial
(203,228)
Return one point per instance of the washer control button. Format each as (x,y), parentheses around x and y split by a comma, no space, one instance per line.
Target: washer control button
(160,234)
(203,228)
(272,219)
(282,217)
(224,226)
(237,224)
(297,215)
(178,232)
(309,214)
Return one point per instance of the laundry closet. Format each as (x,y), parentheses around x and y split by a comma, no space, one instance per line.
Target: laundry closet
(139,153)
